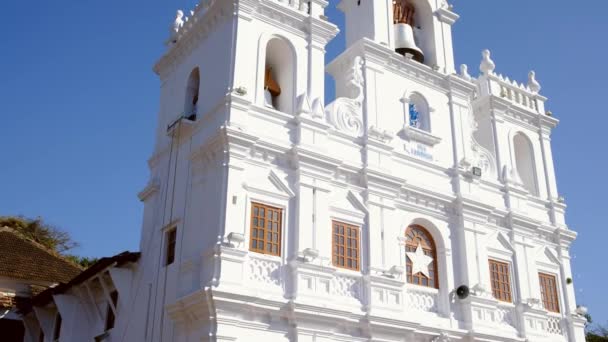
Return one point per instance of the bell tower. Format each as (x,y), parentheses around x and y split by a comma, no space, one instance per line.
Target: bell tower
(420,29)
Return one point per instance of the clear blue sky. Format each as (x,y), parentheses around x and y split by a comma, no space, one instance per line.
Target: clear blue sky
(78,105)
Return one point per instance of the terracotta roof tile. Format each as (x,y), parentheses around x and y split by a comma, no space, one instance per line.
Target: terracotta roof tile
(25,260)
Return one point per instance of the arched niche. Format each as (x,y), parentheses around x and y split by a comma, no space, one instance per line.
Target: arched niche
(279,75)
(524,162)
(192,94)
(418,112)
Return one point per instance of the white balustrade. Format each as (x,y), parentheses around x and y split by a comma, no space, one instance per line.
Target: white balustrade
(421,299)
(264,272)
(345,286)
(505,315)
(518,94)
(554,325)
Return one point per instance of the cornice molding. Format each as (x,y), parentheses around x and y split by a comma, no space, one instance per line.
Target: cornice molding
(445,15)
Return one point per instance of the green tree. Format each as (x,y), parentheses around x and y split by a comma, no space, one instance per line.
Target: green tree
(597,333)
(38,231)
(84,262)
(50,237)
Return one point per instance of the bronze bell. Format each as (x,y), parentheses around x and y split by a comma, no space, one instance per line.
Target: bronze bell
(270,84)
(403,18)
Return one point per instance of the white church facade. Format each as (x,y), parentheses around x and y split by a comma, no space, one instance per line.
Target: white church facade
(420,205)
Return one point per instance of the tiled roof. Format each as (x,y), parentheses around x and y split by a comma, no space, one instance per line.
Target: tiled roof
(26,260)
(118,260)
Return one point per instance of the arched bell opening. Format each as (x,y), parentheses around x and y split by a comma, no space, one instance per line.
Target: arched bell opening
(413,25)
(279,76)
(524,162)
(192,95)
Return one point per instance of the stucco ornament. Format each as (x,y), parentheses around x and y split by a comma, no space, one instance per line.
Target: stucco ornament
(420,261)
(346,113)
(487,65)
(482,157)
(533,83)
(481,290)
(534,303)
(511,176)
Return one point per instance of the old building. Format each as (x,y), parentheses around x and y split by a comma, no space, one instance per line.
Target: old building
(87,307)
(26,269)
(419,205)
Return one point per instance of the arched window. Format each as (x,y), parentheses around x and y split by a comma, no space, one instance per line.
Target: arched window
(524,162)
(279,76)
(421,257)
(418,111)
(192,94)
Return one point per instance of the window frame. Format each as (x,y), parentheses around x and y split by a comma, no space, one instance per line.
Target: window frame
(410,278)
(498,292)
(170,246)
(110,321)
(279,241)
(550,304)
(335,248)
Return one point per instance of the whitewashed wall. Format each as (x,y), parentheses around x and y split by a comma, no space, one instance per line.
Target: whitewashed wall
(356,160)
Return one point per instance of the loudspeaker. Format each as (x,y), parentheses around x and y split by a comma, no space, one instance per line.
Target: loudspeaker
(463,292)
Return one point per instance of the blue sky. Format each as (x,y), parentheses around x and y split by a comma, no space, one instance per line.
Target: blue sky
(78,105)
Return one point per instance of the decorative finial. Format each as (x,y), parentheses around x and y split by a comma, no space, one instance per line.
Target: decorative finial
(533,83)
(464,72)
(487,64)
(177,25)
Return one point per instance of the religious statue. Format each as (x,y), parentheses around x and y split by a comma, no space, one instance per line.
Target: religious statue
(403,12)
